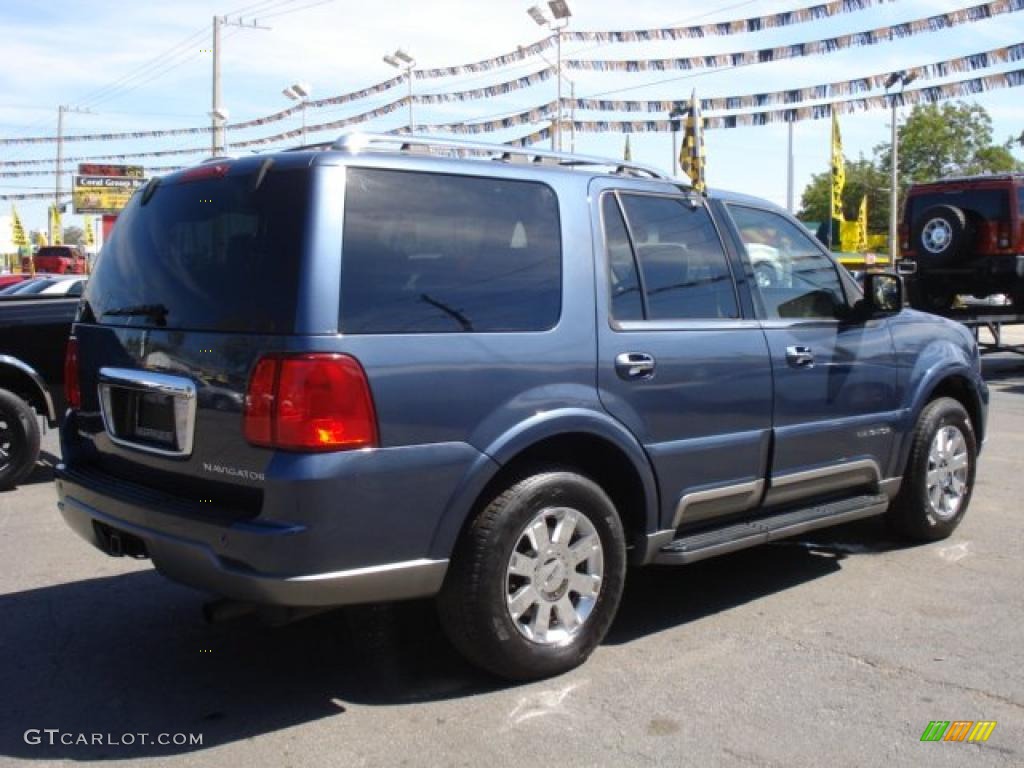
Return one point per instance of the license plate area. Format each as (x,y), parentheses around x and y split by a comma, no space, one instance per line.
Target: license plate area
(148,411)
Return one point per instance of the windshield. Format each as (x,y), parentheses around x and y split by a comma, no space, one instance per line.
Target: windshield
(55,251)
(211,254)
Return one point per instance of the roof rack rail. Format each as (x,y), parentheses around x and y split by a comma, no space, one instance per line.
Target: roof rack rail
(360,142)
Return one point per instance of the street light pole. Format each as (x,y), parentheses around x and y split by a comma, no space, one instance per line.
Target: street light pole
(408,79)
(300,92)
(216,108)
(674,117)
(558,97)
(58,190)
(789,169)
(559,20)
(218,114)
(402,60)
(903,79)
(894,246)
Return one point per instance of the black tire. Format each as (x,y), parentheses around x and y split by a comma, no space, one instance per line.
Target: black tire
(940,235)
(473,604)
(19,440)
(913,514)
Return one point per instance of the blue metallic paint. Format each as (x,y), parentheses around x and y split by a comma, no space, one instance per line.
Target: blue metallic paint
(454,408)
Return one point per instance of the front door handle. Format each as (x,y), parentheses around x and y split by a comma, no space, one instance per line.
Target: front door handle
(800,357)
(633,366)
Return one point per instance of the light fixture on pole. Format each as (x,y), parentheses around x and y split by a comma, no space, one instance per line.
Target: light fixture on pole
(300,92)
(674,117)
(402,60)
(903,79)
(559,20)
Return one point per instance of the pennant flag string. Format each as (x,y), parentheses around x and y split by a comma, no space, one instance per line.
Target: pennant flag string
(714,61)
(117,156)
(800,50)
(815,12)
(961,64)
(926,95)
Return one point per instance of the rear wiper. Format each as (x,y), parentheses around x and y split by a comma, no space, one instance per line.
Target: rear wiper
(157,312)
(457,316)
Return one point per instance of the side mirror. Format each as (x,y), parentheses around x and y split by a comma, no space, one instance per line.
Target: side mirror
(883,295)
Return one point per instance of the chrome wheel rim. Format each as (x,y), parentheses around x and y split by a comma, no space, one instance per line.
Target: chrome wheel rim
(6,442)
(936,235)
(554,576)
(948,466)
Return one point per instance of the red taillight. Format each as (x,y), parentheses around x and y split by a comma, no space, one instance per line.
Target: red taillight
(72,388)
(200,172)
(314,402)
(259,403)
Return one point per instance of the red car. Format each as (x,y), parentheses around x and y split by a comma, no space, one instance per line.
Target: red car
(6,280)
(57,260)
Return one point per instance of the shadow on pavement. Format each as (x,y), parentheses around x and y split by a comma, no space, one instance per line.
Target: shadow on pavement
(663,597)
(131,654)
(43,472)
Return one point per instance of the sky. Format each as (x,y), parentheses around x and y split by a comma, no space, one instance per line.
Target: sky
(146,65)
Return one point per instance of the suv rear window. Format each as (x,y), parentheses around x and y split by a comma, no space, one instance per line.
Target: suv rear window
(60,251)
(434,253)
(208,254)
(990,204)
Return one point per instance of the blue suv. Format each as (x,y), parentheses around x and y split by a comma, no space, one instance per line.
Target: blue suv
(397,367)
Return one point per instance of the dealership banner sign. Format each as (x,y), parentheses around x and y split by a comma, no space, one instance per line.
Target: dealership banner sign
(103,194)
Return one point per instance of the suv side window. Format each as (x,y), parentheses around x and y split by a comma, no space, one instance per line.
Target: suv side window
(792,277)
(435,253)
(1020,201)
(683,267)
(627,301)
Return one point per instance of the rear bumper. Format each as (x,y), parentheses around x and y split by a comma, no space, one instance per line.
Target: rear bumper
(192,552)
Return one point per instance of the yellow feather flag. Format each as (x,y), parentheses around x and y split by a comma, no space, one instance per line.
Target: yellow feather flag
(691,155)
(18,233)
(56,234)
(88,238)
(838,169)
(862,225)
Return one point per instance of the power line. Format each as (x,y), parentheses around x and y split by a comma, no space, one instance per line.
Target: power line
(264,17)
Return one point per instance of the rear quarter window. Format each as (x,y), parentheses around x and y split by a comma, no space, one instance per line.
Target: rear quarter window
(436,253)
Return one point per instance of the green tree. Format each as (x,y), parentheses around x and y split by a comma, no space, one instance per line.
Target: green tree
(951,139)
(73,235)
(863,176)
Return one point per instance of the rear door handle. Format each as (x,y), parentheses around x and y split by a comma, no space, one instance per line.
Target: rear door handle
(800,357)
(634,365)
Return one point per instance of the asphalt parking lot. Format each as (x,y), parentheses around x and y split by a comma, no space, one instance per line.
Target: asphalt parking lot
(836,648)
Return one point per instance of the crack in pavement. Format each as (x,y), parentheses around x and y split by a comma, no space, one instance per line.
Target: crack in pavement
(885,666)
